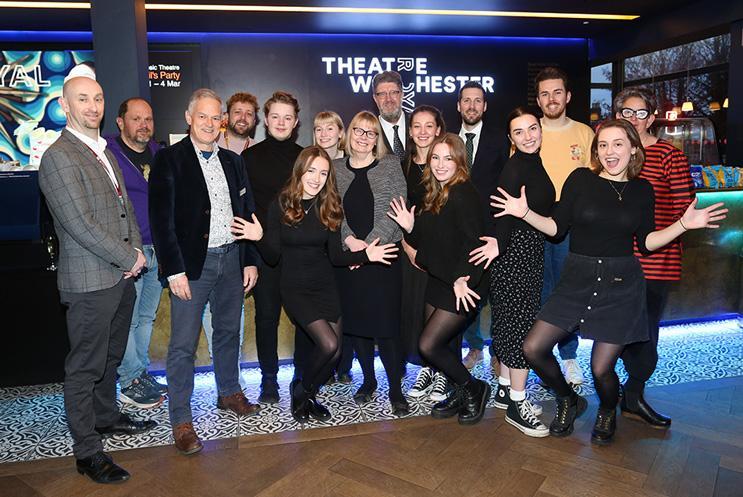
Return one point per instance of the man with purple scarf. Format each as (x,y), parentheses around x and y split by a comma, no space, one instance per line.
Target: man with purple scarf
(134,149)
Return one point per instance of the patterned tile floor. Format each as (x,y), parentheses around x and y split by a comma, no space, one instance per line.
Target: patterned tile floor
(33,426)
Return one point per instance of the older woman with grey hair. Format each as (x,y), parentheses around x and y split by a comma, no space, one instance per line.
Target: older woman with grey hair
(368,179)
(667,170)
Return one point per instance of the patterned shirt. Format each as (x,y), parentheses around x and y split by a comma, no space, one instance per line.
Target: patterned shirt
(220,215)
(667,169)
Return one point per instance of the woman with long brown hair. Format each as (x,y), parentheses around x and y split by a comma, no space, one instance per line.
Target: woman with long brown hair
(446,231)
(303,230)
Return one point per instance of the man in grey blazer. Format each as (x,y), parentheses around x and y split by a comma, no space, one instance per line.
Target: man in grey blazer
(100,255)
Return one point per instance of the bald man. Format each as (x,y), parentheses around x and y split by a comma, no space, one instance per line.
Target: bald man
(100,255)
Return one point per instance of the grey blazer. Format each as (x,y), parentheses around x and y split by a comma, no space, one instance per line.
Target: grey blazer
(387,182)
(97,233)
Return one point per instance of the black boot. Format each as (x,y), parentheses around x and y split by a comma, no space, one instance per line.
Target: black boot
(604,427)
(475,395)
(635,406)
(450,406)
(299,402)
(568,408)
(269,389)
(316,410)
(364,394)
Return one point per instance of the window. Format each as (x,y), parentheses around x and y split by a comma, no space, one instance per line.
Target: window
(601,93)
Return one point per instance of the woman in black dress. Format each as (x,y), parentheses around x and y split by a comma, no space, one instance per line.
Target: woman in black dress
(516,278)
(302,229)
(448,228)
(426,123)
(368,179)
(602,288)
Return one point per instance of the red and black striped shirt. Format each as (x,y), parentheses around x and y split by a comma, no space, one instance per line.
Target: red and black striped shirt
(667,169)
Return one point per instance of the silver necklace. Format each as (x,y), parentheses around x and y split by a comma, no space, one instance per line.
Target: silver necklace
(307,210)
(619,193)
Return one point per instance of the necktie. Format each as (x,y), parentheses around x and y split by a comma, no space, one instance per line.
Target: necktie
(397,147)
(470,147)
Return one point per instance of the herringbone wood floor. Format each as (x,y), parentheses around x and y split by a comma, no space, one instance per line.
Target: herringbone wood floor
(702,455)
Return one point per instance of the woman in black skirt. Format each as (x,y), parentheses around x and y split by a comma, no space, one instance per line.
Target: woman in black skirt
(602,288)
(426,124)
(368,179)
(516,278)
(303,230)
(446,231)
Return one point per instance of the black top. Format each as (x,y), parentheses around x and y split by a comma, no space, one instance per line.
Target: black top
(416,191)
(600,224)
(524,169)
(269,165)
(444,240)
(142,160)
(358,202)
(307,250)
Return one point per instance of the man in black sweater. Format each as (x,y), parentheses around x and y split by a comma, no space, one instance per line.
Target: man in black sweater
(269,165)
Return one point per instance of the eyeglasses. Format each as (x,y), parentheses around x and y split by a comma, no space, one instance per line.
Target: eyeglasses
(385,94)
(628,113)
(370,133)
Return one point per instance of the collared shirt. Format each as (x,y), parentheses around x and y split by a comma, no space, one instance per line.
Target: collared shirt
(98,146)
(477,130)
(390,133)
(220,214)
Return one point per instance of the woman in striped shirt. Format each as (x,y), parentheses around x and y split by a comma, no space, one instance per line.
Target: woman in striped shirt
(667,170)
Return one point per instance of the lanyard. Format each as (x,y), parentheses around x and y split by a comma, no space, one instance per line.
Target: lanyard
(110,174)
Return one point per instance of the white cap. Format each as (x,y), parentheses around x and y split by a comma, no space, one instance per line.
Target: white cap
(81,71)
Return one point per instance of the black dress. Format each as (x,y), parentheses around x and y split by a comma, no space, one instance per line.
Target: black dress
(370,296)
(516,278)
(444,241)
(306,250)
(602,287)
(413,279)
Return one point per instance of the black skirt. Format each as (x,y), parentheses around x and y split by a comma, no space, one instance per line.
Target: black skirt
(413,309)
(440,295)
(603,297)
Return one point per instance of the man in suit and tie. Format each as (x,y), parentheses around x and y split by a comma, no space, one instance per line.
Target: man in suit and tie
(487,152)
(196,188)
(100,256)
(387,89)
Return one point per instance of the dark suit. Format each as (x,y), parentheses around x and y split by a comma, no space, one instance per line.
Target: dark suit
(180,218)
(98,233)
(406,142)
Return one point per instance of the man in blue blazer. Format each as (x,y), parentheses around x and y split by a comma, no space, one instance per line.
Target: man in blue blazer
(195,189)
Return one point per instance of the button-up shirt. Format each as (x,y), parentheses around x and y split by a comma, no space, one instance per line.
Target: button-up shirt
(220,214)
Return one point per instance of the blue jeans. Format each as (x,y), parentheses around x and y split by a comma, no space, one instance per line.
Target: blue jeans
(136,358)
(554,260)
(206,321)
(220,284)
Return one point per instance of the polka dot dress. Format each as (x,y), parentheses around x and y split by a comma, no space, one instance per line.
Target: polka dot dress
(515,290)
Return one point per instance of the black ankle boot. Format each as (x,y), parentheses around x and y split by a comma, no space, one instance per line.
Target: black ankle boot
(475,395)
(269,389)
(635,406)
(365,392)
(604,427)
(316,410)
(568,408)
(299,402)
(450,406)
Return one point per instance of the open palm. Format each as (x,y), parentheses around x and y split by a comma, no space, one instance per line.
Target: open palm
(511,206)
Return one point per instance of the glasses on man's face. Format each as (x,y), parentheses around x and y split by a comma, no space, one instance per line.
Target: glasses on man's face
(385,94)
(638,113)
(370,133)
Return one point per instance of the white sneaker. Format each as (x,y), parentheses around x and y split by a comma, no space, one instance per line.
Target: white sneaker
(520,414)
(572,371)
(423,383)
(439,390)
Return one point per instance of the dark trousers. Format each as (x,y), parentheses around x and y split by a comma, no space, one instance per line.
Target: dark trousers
(641,358)
(98,327)
(267,295)
(221,284)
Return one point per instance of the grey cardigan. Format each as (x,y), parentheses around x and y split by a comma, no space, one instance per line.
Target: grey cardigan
(387,182)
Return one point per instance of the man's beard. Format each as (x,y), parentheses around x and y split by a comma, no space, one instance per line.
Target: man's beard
(393,117)
(245,134)
(471,121)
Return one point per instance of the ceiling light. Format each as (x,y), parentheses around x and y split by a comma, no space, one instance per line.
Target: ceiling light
(687,106)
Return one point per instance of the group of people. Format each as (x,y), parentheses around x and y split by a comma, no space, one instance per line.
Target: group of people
(388,233)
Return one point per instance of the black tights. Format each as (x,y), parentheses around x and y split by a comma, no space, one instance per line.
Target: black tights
(390,351)
(325,354)
(443,328)
(538,351)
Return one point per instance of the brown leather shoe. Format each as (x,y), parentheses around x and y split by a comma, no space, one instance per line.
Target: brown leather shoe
(238,404)
(472,358)
(186,439)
